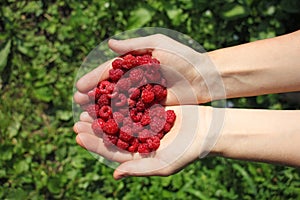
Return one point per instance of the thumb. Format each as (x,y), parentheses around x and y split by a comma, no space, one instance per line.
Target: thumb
(137,46)
(141,167)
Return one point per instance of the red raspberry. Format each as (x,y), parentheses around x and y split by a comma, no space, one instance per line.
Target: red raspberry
(111,127)
(124,84)
(157,111)
(135,115)
(127,121)
(115,74)
(136,75)
(134,145)
(134,93)
(160,134)
(103,100)
(144,135)
(122,144)
(129,61)
(110,140)
(92,110)
(167,127)
(97,126)
(147,96)
(140,106)
(160,92)
(105,87)
(118,117)
(117,63)
(105,112)
(153,143)
(94,94)
(131,103)
(136,127)
(120,100)
(145,120)
(125,133)
(123,111)
(153,76)
(171,116)
(143,148)
(157,124)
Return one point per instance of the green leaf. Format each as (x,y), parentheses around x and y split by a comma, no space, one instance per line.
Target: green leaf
(139,18)
(43,94)
(4,53)
(54,185)
(237,11)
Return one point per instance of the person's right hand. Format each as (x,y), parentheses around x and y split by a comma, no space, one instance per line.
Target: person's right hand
(189,73)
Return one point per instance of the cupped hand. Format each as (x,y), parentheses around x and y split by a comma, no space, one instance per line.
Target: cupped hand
(187,71)
(181,146)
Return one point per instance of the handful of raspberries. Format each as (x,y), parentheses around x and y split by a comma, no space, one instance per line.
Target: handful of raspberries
(126,107)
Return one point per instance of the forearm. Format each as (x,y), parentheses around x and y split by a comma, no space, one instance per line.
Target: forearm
(261,67)
(260,135)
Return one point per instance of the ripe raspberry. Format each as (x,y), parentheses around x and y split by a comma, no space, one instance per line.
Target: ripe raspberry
(134,93)
(140,106)
(160,92)
(103,100)
(124,84)
(147,96)
(157,111)
(135,115)
(171,116)
(134,144)
(122,144)
(153,143)
(153,76)
(110,140)
(105,87)
(123,111)
(94,94)
(136,75)
(127,121)
(118,117)
(143,148)
(117,63)
(111,127)
(160,134)
(105,112)
(131,103)
(136,128)
(120,100)
(125,133)
(97,126)
(157,124)
(145,120)
(167,127)
(144,135)
(115,74)
(129,61)
(92,109)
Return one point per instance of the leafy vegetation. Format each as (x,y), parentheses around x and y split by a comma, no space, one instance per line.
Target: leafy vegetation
(42,44)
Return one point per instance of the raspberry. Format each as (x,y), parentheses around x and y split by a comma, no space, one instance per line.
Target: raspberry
(157,124)
(115,74)
(127,121)
(92,110)
(117,63)
(105,112)
(152,76)
(171,116)
(157,111)
(153,142)
(118,117)
(143,148)
(134,93)
(159,92)
(120,100)
(129,61)
(135,115)
(136,127)
(134,145)
(97,126)
(125,133)
(147,96)
(121,144)
(124,84)
(111,127)
(144,135)
(105,87)
(94,94)
(110,140)
(103,100)
(131,103)
(145,120)
(136,75)
(160,134)
(140,106)
(167,127)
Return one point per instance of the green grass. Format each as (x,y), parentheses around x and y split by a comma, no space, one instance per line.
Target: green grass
(42,45)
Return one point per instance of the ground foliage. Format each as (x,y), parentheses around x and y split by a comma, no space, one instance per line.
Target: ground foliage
(42,45)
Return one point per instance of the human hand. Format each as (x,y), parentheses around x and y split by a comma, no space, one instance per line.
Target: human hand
(186,141)
(190,76)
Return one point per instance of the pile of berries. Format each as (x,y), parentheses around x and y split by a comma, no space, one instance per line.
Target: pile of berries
(127,107)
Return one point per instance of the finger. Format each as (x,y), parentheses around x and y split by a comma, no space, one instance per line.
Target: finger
(141,167)
(140,45)
(81,98)
(90,80)
(85,117)
(95,144)
(83,127)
